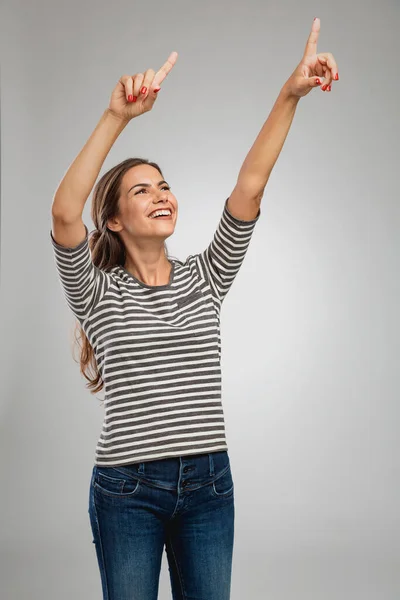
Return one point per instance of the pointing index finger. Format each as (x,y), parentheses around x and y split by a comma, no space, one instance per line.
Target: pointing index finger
(165,69)
(311,46)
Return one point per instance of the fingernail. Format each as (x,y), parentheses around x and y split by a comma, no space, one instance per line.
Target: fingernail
(336,77)
(329,88)
(143,90)
(130,98)
(134,98)
(157,89)
(318,81)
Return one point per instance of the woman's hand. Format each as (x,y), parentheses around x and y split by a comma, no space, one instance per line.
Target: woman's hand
(312,68)
(136,94)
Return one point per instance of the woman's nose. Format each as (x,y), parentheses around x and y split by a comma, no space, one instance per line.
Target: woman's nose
(163,196)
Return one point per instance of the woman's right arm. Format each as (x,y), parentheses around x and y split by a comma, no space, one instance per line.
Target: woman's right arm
(83,283)
(73,191)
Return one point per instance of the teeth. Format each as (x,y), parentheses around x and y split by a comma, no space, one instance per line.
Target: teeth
(166,212)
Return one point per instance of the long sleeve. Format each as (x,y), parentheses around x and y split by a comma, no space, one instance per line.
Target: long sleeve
(82,282)
(222,259)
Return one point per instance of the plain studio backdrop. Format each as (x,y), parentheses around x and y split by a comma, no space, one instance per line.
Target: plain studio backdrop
(310,327)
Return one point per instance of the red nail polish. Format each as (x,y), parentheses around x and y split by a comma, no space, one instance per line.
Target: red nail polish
(336,78)
(130,98)
(318,81)
(143,90)
(134,98)
(323,88)
(157,89)
(329,88)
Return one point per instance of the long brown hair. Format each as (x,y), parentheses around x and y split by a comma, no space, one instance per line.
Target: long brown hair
(107,250)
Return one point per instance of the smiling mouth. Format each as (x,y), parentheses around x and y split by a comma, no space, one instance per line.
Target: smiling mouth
(161,216)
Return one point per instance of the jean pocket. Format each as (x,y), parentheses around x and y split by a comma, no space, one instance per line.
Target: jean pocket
(223,486)
(110,482)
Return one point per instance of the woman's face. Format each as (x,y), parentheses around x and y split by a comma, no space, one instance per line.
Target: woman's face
(143,190)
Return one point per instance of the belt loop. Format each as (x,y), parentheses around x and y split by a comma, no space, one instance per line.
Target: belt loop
(211,465)
(141,468)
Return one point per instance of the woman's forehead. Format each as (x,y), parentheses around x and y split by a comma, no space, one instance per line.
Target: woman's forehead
(145,173)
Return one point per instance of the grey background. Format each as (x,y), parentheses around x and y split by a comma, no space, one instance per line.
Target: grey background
(310,328)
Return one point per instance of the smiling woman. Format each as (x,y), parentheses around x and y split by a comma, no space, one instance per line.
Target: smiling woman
(150,331)
(150,327)
(155,346)
(128,248)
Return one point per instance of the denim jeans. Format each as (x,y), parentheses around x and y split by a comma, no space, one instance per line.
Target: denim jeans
(184,503)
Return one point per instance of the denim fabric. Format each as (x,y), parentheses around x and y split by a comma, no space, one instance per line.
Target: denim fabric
(185,504)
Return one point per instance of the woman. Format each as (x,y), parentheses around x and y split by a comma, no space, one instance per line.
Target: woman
(150,331)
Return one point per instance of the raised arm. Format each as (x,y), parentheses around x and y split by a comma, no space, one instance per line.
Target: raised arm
(83,283)
(254,174)
(73,191)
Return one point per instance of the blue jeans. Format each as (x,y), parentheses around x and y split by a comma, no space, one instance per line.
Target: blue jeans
(184,503)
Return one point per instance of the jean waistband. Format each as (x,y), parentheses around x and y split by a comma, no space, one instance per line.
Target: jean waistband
(167,472)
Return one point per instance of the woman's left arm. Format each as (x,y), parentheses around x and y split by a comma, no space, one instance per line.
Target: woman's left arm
(244,202)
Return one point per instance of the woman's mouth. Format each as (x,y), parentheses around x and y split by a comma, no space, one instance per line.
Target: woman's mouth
(161,214)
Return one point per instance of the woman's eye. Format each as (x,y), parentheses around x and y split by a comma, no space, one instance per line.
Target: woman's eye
(143,189)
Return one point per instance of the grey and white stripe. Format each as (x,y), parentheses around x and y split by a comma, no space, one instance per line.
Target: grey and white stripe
(158,348)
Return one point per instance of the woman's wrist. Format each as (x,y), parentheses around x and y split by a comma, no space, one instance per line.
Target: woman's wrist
(287,95)
(113,117)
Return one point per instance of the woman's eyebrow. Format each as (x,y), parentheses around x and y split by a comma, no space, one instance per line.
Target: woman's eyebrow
(145,185)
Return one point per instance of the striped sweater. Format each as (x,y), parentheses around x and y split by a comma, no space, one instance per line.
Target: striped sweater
(157,348)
